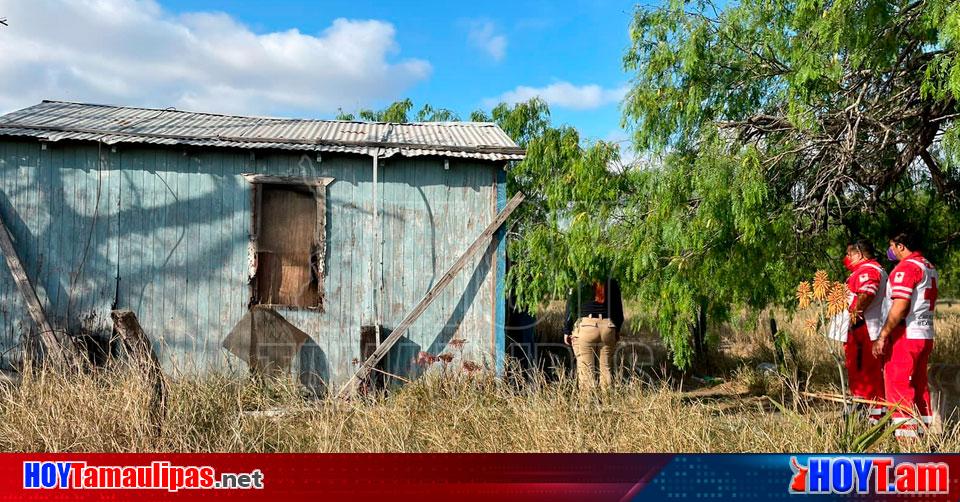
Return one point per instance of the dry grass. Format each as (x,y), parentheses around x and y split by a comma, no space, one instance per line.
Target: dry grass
(109,412)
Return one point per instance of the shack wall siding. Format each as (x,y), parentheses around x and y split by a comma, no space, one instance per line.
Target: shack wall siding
(176,228)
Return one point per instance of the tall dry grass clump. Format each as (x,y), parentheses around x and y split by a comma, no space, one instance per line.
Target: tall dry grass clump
(110,412)
(51,411)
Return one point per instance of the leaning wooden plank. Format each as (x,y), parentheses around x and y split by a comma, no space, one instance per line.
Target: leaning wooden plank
(54,351)
(428,298)
(144,358)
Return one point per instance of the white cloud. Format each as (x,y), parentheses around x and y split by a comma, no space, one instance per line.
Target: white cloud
(133,52)
(484,36)
(628,156)
(564,95)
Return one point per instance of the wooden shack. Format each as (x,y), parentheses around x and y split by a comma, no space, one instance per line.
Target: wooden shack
(191,220)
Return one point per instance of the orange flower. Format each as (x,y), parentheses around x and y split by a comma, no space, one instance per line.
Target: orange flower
(810,327)
(837,298)
(803,294)
(821,285)
(446,357)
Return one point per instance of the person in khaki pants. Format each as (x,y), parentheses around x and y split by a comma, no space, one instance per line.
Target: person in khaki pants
(594,318)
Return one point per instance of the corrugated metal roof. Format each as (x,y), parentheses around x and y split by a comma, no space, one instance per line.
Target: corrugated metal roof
(58,120)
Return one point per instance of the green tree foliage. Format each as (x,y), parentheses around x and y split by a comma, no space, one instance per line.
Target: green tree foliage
(779,129)
(399,112)
(431,114)
(523,121)
(342,115)
(839,98)
(569,229)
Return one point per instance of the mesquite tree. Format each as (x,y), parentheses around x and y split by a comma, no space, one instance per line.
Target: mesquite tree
(567,229)
(782,127)
(839,100)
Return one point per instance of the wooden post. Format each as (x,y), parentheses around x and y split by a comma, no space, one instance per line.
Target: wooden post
(144,358)
(54,351)
(428,298)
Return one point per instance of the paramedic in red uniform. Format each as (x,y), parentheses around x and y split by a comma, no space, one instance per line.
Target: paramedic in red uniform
(906,339)
(867,285)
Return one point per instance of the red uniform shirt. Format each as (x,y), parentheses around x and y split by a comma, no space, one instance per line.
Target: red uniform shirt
(868,277)
(915,279)
(865,278)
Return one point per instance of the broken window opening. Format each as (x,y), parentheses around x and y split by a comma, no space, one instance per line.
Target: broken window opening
(289,241)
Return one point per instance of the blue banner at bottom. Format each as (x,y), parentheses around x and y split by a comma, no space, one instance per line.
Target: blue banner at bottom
(828,477)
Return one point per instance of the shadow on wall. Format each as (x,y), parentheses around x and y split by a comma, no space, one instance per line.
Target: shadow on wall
(93,238)
(400,361)
(406,359)
(313,369)
(452,324)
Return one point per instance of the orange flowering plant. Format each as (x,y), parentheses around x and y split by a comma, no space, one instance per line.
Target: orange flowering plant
(826,299)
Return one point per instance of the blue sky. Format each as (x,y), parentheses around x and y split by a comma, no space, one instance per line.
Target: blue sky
(306,58)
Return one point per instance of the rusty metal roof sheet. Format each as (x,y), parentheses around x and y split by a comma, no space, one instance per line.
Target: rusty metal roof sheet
(58,120)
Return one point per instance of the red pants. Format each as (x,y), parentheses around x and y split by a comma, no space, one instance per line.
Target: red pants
(905,379)
(864,371)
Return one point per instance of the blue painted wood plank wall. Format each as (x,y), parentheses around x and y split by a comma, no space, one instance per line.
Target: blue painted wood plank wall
(174,226)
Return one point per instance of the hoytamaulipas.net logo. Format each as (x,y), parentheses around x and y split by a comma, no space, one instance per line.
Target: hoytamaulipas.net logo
(874,475)
(160,475)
